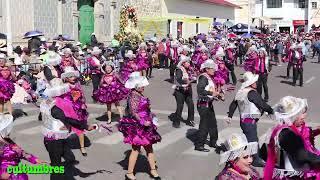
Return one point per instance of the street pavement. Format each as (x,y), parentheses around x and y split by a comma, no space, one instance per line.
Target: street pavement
(108,157)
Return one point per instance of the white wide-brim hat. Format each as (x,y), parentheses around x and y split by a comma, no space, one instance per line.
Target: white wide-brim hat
(175,44)
(3,56)
(66,51)
(203,48)
(6,124)
(142,45)
(96,51)
(288,108)
(209,64)
(106,63)
(53,59)
(263,50)
(56,88)
(186,48)
(252,49)
(136,81)
(249,78)
(69,72)
(219,53)
(130,54)
(237,145)
(183,59)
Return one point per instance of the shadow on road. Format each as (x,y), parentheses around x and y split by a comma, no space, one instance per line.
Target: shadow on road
(281,76)
(73,141)
(191,134)
(71,172)
(104,117)
(17,113)
(286,82)
(142,164)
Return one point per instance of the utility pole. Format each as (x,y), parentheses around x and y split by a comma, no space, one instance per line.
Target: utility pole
(249,16)
(59,12)
(9,32)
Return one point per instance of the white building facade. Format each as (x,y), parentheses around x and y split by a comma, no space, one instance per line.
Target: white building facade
(80,18)
(288,15)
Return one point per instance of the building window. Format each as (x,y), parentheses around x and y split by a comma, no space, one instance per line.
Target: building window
(274,3)
(179,30)
(300,3)
(314,5)
(197,26)
(169,26)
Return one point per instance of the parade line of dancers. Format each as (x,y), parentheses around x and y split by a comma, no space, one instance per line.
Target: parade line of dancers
(289,151)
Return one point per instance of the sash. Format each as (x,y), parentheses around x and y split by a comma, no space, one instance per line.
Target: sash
(67,107)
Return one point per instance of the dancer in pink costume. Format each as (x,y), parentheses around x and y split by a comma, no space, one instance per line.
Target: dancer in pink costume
(139,125)
(291,142)
(111,90)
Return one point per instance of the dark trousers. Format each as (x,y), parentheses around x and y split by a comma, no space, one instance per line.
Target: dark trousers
(58,149)
(263,83)
(208,125)
(233,75)
(96,78)
(289,66)
(241,57)
(149,72)
(163,60)
(173,67)
(250,130)
(182,97)
(297,73)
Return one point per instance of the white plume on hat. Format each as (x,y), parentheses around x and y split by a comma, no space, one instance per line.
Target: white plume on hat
(203,48)
(143,45)
(69,72)
(209,64)
(53,59)
(130,54)
(96,50)
(56,88)
(66,51)
(288,108)
(136,81)
(3,56)
(175,43)
(183,59)
(249,78)
(237,145)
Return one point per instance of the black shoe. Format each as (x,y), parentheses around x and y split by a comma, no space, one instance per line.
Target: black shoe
(258,163)
(40,117)
(127,178)
(171,116)
(156,178)
(202,149)
(176,125)
(190,123)
(83,153)
(266,100)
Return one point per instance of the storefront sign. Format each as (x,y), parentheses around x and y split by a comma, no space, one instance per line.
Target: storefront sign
(281,22)
(300,22)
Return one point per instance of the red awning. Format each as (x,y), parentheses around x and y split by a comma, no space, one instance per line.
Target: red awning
(221,3)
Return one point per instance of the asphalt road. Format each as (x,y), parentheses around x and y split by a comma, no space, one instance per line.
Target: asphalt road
(107,155)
